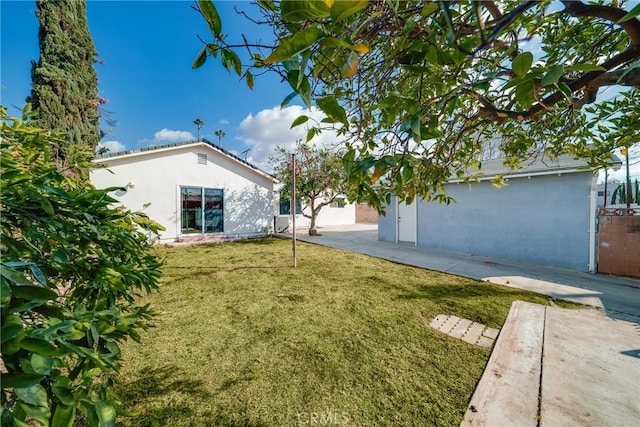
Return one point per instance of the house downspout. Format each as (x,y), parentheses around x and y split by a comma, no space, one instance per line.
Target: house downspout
(415,236)
(178,213)
(397,202)
(592,223)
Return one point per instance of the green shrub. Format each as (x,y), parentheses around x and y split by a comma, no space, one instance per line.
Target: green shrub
(72,266)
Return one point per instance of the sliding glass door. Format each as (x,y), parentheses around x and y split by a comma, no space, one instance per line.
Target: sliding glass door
(202,210)
(213,211)
(191,213)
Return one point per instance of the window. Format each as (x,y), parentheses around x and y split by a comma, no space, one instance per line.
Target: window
(340,202)
(202,210)
(202,159)
(285,207)
(213,210)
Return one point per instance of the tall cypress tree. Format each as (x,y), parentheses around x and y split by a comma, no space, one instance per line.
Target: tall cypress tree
(65,83)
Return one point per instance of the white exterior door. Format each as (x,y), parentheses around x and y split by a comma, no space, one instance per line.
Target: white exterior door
(407,223)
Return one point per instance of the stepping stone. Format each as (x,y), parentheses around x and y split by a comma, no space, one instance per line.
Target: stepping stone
(491,333)
(460,328)
(465,329)
(473,333)
(448,324)
(438,321)
(485,342)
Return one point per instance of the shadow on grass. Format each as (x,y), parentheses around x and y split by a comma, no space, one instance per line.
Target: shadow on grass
(444,292)
(448,292)
(257,241)
(164,384)
(223,243)
(198,270)
(160,381)
(486,304)
(166,396)
(235,421)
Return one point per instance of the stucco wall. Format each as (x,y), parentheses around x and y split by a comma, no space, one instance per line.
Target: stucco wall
(329,216)
(542,220)
(387,224)
(248,196)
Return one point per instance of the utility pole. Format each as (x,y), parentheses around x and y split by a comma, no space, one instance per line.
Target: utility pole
(628,184)
(293,206)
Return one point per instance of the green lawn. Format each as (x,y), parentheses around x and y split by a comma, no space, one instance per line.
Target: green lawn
(246,340)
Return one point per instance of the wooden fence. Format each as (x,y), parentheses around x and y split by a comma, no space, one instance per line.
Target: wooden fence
(619,241)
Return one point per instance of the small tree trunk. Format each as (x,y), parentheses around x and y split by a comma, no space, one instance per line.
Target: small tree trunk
(312,224)
(314,215)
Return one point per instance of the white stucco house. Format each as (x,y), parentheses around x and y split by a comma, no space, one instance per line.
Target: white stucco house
(194,189)
(340,212)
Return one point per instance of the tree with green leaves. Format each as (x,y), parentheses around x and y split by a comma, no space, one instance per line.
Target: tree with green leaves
(419,87)
(199,123)
(220,134)
(320,179)
(64,81)
(72,267)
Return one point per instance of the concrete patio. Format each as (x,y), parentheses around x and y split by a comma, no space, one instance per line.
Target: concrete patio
(558,367)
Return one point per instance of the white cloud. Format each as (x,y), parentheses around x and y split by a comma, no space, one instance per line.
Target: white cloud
(166,135)
(224,122)
(272,127)
(619,173)
(112,146)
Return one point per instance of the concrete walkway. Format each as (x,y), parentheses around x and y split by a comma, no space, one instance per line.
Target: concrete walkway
(549,366)
(619,297)
(558,367)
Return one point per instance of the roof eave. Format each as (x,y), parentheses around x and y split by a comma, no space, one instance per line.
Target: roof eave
(530,174)
(170,147)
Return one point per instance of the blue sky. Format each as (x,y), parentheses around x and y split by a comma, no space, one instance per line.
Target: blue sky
(154,95)
(147,48)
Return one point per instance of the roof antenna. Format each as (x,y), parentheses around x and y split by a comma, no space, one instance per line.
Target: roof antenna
(245,153)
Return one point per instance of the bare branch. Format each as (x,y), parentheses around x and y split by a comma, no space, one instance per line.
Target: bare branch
(578,9)
(493,9)
(631,78)
(587,79)
(507,20)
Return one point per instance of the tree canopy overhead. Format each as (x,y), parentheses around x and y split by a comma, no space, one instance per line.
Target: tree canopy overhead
(424,89)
